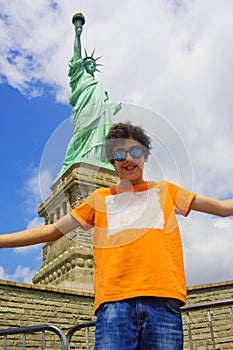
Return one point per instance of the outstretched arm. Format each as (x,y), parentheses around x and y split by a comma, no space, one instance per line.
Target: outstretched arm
(31,236)
(212,206)
(40,234)
(77,42)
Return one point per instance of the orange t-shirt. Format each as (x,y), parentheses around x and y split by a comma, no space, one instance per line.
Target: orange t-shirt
(137,244)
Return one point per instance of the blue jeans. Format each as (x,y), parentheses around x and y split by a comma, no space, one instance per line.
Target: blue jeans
(144,323)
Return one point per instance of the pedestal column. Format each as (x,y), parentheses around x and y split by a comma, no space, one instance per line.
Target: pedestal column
(68,262)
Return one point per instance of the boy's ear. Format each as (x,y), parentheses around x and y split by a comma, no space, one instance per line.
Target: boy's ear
(112,161)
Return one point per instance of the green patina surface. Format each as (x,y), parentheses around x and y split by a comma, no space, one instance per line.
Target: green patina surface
(93,112)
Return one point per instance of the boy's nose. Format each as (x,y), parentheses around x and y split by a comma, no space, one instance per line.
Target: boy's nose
(128,156)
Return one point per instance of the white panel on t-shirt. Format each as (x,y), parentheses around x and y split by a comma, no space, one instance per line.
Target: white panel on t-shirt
(134,210)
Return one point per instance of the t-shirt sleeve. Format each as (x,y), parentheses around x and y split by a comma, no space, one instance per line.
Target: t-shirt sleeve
(182,199)
(85,212)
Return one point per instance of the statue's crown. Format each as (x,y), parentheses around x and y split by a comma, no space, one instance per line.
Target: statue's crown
(91,57)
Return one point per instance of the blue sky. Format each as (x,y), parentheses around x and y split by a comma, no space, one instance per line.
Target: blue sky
(26,126)
(169,62)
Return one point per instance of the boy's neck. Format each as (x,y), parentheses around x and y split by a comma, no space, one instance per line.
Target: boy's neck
(124,182)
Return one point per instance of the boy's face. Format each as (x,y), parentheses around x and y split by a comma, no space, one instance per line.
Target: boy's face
(130,168)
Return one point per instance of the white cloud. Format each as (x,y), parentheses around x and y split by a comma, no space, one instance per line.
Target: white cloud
(36,187)
(37,249)
(208,248)
(45,182)
(223,223)
(31,184)
(21,274)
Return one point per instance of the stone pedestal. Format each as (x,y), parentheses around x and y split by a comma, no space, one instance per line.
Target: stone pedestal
(68,262)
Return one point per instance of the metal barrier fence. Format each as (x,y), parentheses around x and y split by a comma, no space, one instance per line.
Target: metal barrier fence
(208,307)
(206,312)
(87,325)
(206,316)
(35,329)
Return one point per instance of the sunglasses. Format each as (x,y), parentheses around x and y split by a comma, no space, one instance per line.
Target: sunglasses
(120,154)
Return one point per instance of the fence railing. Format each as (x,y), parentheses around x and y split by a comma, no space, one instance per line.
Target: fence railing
(208,310)
(206,314)
(34,329)
(207,319)
(87,325)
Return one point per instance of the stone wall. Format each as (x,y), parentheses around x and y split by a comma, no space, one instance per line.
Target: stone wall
(25,304)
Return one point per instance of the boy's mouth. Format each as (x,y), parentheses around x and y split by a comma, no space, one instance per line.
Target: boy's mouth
(130,167)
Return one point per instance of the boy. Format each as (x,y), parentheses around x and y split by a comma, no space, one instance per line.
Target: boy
(139,274)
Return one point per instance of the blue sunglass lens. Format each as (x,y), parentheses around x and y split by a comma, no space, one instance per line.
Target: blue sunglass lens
(136,152)
(120,154)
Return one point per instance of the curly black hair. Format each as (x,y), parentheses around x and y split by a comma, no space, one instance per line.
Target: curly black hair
(126,130)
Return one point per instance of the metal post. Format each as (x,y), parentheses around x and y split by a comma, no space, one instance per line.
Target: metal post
(43,340)
(231,316)
(23,341)
(211,328)
(87,338)
(189,331)
(5,342)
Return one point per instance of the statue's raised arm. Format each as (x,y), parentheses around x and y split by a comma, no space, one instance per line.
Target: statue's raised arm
(78,22)
(92,111)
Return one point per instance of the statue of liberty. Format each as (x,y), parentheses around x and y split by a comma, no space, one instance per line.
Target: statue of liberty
(92,111)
